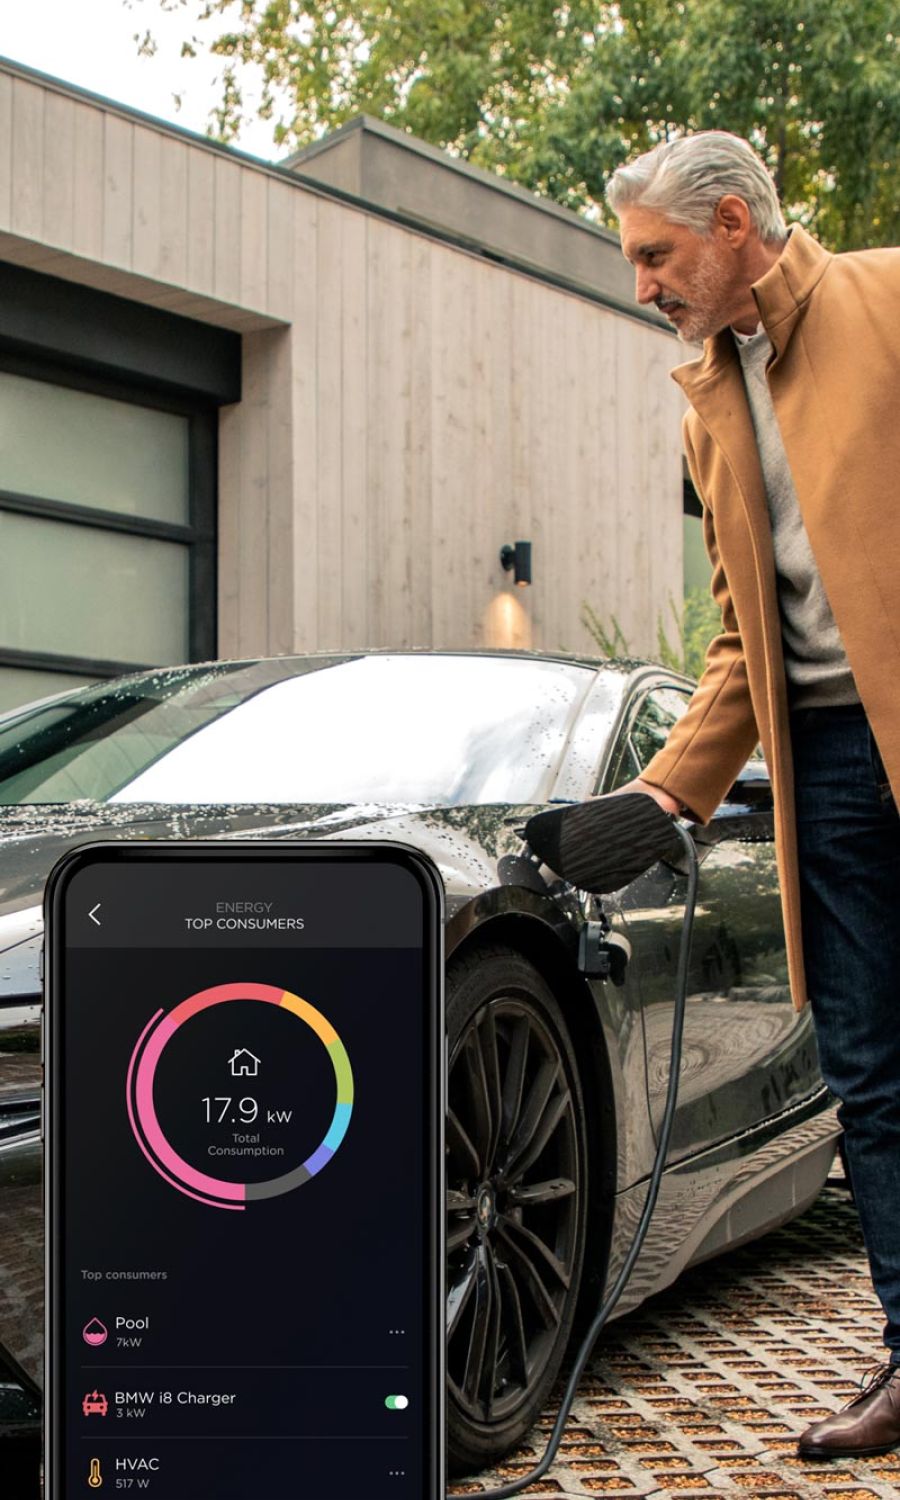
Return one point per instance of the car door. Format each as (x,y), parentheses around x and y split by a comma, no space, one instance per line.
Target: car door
(747,1054)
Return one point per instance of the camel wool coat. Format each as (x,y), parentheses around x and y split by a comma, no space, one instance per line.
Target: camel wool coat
(834,379)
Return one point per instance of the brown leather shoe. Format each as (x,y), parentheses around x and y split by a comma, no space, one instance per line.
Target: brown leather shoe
(868,1424)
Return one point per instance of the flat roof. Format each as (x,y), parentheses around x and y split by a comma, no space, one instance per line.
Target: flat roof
(370,125)
(492,215)
(396,176)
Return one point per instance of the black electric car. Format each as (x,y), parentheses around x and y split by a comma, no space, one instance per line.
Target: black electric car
(556,1076)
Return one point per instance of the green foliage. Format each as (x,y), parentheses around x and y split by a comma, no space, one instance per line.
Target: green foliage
(557,95)
(611,643)
(695,627)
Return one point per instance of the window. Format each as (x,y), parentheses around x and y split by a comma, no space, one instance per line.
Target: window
(108,435)
(438,730)
(660,710)
(647,732)
(626,768)
(99,531)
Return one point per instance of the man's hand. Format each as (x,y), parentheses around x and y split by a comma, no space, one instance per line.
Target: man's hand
(668,803)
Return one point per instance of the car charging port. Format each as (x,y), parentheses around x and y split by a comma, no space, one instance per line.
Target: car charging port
(602,954)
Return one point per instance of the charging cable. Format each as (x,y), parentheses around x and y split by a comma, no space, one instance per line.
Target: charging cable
(662,1150)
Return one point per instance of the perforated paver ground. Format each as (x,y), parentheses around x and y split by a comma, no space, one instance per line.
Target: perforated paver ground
(702,1392)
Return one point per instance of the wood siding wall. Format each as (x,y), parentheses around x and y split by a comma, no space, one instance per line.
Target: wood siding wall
(408,407)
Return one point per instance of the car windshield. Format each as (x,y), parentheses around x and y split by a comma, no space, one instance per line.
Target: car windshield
(434,729)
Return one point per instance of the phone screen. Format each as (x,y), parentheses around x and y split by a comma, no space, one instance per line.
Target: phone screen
(244,1109)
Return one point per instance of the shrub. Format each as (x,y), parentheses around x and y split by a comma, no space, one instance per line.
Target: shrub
(695,627)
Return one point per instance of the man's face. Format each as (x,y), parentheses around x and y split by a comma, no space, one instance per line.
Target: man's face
(692,279)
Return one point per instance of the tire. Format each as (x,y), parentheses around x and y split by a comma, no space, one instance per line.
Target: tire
(517,1196)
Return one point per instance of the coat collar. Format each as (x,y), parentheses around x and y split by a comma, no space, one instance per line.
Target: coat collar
(780,295)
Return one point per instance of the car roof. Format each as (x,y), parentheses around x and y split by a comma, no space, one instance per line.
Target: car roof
(624,665)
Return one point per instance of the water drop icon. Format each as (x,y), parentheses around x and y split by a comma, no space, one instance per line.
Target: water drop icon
(95,1333)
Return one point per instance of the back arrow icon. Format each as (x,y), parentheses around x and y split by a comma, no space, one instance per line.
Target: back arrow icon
(91,913)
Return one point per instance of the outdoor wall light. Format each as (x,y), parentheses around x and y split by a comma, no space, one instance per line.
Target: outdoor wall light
(518,558)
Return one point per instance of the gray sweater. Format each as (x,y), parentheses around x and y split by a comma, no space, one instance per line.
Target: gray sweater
(815,662)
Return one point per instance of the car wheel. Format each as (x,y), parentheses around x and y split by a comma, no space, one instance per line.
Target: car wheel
(516,1182)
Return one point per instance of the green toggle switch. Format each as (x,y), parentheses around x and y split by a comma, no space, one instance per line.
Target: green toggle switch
(396,1403)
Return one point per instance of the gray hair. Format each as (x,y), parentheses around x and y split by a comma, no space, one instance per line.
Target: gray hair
(685,178)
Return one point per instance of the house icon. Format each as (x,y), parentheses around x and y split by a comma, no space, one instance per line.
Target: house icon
(243,1064)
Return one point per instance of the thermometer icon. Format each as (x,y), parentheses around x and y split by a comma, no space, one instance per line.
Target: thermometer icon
(95,1478)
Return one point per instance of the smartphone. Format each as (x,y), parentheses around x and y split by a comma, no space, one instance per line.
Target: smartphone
(243,1116)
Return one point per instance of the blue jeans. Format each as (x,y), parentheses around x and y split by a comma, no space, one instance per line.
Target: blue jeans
(848,830)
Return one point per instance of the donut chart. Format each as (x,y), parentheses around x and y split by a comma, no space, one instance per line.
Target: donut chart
(149,1134)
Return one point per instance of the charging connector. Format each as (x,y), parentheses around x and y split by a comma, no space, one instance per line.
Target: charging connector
(602,948)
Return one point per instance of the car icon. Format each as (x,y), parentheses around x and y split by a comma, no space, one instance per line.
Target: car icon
(95,1404)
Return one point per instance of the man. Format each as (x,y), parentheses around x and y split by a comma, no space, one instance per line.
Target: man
(793,443)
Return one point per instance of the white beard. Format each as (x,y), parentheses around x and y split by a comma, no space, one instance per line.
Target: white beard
(707,303)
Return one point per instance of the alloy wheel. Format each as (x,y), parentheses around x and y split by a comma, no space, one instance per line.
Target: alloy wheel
(514,1206)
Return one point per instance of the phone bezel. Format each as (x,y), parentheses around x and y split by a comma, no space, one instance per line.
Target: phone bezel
(367,851)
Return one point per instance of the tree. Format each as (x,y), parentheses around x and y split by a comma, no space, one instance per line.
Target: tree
(556,95)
